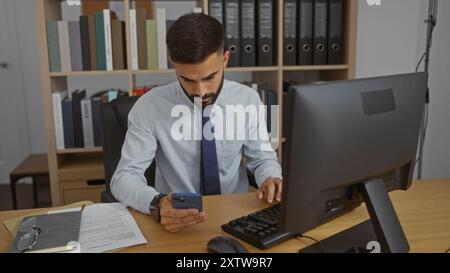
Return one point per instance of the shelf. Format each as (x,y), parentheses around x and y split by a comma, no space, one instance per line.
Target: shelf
(230,69)
(146,72)
(80,150)
(79,167)
(72,166)
(88,73)
(315,67)
(252,69)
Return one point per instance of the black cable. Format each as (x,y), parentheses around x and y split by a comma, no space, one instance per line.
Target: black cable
(420,62)
(312,239)
(447,251)
(430,38)
(423,130)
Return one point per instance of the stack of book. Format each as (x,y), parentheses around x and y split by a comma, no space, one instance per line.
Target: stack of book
(77,119)
(313,32)
(93,43)
(148,40)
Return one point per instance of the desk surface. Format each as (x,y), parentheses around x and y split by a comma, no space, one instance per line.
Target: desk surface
(33,165)
(424,212)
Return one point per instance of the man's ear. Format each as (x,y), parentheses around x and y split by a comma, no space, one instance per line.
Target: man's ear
(170,60)
(226,58)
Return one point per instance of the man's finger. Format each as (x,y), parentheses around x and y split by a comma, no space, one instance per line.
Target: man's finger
(180,220)
(170,221)
(270,192)
(279,184)
(259,194)
(165,221)
(179,227)
(199,217)
(178,213)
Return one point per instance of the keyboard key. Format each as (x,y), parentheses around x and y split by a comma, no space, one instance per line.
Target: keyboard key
(261,235)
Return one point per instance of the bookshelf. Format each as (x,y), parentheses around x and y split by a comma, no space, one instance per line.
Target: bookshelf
(75,173)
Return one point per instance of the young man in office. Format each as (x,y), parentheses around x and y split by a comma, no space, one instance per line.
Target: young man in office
(196,49)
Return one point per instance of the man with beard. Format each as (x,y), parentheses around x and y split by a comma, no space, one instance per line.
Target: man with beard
(207,166)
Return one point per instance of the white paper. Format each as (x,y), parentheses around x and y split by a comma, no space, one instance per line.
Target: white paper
(76,247)
(64,211)
(106,227)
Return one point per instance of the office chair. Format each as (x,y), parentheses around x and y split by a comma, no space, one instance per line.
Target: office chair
(115,126)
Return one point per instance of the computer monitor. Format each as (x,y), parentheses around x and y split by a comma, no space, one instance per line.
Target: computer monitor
(351,142)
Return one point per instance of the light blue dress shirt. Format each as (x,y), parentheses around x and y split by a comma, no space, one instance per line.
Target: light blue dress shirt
(149,137)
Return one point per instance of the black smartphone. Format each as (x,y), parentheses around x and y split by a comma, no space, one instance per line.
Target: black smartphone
(187,201)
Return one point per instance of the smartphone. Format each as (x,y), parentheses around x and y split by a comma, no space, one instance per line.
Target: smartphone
(187,201)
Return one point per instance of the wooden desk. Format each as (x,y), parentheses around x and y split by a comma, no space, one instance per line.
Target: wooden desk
(33,166)
(424,212)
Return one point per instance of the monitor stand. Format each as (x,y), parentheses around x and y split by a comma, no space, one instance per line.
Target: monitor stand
(382,233)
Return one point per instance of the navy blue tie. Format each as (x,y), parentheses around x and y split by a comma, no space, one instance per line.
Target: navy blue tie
(210,180)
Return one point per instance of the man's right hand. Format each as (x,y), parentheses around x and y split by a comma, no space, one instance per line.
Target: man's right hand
(175,220)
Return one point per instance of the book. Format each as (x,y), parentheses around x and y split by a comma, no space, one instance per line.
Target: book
(96,104)
(53,46)
(64,46)
(48,233)
(141,38)
(85,43)
(77,96)
(57,99)
(152,45)
(134,46)
(76,58)
(118,44)
(92,42)
(100,40)
(86,119)
(169,24)
(161,26)
(69,135)
(108,39)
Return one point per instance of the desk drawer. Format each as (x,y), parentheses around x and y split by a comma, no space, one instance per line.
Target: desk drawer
(76,191)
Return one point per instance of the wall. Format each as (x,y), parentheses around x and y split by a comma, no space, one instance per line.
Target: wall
(437,145)
(26,35)
(391,39)
(388,37)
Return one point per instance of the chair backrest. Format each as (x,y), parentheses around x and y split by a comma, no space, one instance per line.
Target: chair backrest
(115,126)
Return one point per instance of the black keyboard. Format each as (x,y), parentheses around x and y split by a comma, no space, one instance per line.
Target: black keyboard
(259,229)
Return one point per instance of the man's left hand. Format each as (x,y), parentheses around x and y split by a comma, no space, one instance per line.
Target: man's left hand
(270,190)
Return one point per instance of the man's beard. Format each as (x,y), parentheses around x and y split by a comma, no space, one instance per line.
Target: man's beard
(209,97)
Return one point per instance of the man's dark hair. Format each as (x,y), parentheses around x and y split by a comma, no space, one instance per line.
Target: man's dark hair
(194,37)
